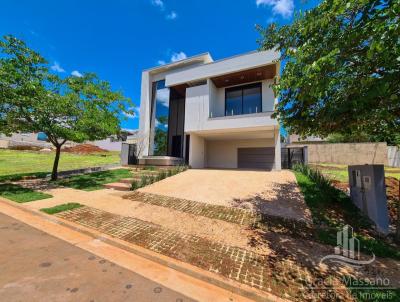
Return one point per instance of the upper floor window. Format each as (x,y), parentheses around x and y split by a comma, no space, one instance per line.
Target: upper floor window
(243,99)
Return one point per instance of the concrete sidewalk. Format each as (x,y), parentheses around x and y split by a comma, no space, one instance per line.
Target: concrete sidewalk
(36,267)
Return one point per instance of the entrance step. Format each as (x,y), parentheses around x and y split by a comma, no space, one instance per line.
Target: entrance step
(119,186)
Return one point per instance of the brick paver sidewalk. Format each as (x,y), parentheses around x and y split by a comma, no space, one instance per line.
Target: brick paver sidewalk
(232,262)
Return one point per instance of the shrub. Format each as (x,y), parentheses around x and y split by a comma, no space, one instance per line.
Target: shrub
(169,173)
(152,179)
(143,181)
(162,175)
(135,185)
(314,175)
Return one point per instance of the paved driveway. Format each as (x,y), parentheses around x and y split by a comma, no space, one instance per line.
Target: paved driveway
(271,192)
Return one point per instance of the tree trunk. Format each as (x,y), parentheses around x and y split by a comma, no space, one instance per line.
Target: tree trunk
(54,173)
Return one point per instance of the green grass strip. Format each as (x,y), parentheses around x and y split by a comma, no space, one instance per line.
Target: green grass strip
(95,181)
(61,208)
(20,194)
(331,209)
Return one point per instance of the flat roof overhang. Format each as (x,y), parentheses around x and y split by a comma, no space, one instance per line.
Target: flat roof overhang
(237,133)
(217,69)
(245,76)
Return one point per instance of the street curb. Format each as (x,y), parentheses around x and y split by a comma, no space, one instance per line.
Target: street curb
(188,269)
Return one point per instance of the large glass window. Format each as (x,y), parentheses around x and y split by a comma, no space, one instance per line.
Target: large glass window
(160,118)
(243,99)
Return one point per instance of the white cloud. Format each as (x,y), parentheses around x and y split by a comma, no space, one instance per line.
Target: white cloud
(171,16)
(134,114)
(284,8)
(76,73)
(163,96)
(158,124)
(56,67)
(177,56)
(129,130)
(158,3)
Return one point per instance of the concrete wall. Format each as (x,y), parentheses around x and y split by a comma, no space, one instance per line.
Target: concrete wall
(223,153)
(107,144)
(348,153)
(4,143)
(393,156)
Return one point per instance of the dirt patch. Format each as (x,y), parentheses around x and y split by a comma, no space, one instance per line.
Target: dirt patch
(84,149)
(392,193)
(25,148)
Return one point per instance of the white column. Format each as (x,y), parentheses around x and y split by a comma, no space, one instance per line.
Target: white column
(277,138)
(196,152)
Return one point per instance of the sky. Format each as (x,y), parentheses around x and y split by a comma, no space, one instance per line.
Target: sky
(120,38)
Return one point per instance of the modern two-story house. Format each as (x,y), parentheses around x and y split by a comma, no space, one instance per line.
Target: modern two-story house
(211,114)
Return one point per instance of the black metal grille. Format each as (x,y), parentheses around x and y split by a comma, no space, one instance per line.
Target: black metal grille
(291,156)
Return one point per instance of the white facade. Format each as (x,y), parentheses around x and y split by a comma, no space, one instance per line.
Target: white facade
(215,137)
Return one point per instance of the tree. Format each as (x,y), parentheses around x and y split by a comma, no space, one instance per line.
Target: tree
(70,109)
(342,69)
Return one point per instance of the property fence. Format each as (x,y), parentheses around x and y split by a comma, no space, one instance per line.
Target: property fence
(293,155)
(346,153)
(393,156)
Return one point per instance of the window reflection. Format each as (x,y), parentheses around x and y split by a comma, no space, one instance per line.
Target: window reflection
(160,118)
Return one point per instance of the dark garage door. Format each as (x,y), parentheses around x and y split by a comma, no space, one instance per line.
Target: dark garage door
(256,158)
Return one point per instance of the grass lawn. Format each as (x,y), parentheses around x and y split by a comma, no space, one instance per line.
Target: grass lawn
(20,194)
(14,163)
(339,172)
(61,208)
(331,209)
(94,181)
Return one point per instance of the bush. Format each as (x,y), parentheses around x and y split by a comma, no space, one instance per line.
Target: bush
(162,175)
(314,175)
(135,185)
(143,181)
(169,173)
(152,179)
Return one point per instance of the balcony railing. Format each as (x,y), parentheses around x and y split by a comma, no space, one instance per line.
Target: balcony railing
(232,114)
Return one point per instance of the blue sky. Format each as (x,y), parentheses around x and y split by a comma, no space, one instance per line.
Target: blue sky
(118,39)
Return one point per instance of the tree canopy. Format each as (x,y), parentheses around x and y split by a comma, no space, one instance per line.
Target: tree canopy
(342,69)
(65,109)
